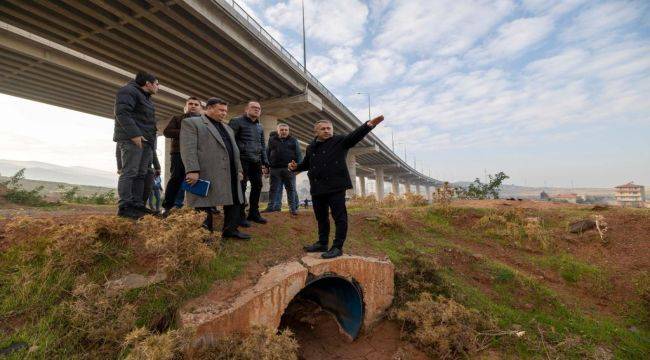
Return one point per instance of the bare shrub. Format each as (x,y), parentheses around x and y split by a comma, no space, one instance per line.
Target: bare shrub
(166,346)
(261,344)
(366,202)
(394,220)
(176,242)
(419,272)
(443,195)
(392,200)
(413,199)
(444,328)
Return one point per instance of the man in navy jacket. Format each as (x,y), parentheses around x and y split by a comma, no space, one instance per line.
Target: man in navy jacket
(329,179)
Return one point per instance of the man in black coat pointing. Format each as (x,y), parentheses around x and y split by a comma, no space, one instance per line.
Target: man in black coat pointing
(329,179)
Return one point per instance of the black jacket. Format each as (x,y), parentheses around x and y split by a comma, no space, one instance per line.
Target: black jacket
(173,131)
(280,152)
(134,114)
(325,162)
(250,139)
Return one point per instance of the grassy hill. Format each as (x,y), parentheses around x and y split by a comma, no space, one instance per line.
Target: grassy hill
(515,281)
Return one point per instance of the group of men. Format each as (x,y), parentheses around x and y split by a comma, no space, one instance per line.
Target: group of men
(228,156)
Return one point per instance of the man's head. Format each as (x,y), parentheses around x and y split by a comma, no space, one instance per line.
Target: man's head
(216,108)
(193,105)
(253,110)
(147,82)
(283,130)
(323,129)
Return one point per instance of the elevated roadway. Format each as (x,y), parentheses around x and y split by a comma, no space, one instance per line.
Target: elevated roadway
(76,54)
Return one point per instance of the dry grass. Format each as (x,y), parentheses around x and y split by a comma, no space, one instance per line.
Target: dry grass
(145,345)
(444,328)
(418,272)
(393,220)
(516,227)
(179,246)
(366,202)
(261,344)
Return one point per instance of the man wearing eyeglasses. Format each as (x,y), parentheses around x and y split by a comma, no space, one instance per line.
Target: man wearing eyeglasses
(135,135)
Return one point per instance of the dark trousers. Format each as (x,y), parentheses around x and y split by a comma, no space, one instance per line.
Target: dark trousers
(148,185)
(336,203)
(230,218)
(252,173)
(176,178)
(135,162)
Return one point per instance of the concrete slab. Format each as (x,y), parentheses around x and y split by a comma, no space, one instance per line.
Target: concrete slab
(262,304)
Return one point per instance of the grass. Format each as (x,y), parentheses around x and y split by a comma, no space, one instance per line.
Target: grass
(37,291)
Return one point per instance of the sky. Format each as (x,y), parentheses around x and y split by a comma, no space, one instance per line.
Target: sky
(551,92)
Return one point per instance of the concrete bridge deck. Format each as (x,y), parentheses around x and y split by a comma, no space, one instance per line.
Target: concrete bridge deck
(76,54)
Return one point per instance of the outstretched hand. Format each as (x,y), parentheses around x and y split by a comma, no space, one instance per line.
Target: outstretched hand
(293,166)
(374,122)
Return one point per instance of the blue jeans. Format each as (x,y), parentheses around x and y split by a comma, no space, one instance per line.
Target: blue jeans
(282,178)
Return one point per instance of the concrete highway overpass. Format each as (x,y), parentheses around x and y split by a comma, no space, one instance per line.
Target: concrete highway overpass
(76,54)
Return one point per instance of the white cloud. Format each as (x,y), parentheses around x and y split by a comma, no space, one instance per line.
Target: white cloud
(439,27)
(513,38)
(335,69)
(431,69)
(601,19)
(325,21)
(380,67)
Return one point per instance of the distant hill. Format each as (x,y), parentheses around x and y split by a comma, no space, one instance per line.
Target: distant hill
(35,170)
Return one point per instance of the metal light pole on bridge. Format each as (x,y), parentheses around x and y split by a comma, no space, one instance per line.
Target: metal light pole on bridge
(368,94)
(304,38)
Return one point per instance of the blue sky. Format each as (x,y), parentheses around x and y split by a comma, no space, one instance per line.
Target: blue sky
(551,92)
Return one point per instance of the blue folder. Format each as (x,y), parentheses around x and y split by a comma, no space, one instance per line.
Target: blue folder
(199,188)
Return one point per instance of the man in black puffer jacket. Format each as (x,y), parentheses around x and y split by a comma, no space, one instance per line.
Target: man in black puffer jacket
(328,179)
(282,149)
(250,141)
(135,135)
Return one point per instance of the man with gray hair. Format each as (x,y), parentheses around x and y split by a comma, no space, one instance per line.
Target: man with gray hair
(281,150)
(328,179)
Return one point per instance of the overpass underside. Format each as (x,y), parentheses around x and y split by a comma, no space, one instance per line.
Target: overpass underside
(76,54)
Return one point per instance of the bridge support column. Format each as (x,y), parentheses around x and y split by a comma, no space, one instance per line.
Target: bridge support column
(427,188)
(379,183)
(407,185)
(168,162)
(351,161)
(417,189)
(269,123)
(362,185)
(395,183)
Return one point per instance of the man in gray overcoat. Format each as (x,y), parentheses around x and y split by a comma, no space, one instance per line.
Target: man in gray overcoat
(209,152)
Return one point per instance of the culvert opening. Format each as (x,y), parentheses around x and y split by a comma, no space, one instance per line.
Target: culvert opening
(329,302)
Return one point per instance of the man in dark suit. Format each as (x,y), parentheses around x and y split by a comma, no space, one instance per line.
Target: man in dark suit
(209,152)
(328,179)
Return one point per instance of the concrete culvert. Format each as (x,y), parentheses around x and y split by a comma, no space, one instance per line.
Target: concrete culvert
(356,290)
(337,295)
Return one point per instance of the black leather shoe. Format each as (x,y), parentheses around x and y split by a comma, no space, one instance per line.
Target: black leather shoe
(258,219)
(332,253)
(294,213)
(236,235)
(244,223)
(146,210)
(130,213)
(316,247)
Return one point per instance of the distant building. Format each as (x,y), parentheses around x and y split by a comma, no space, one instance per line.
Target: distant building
(570,198)
(630,195)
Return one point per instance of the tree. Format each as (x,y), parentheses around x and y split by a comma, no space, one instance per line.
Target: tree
(478,190)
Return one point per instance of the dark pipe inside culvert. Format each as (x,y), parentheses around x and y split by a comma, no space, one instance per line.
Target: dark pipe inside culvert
(334,294)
